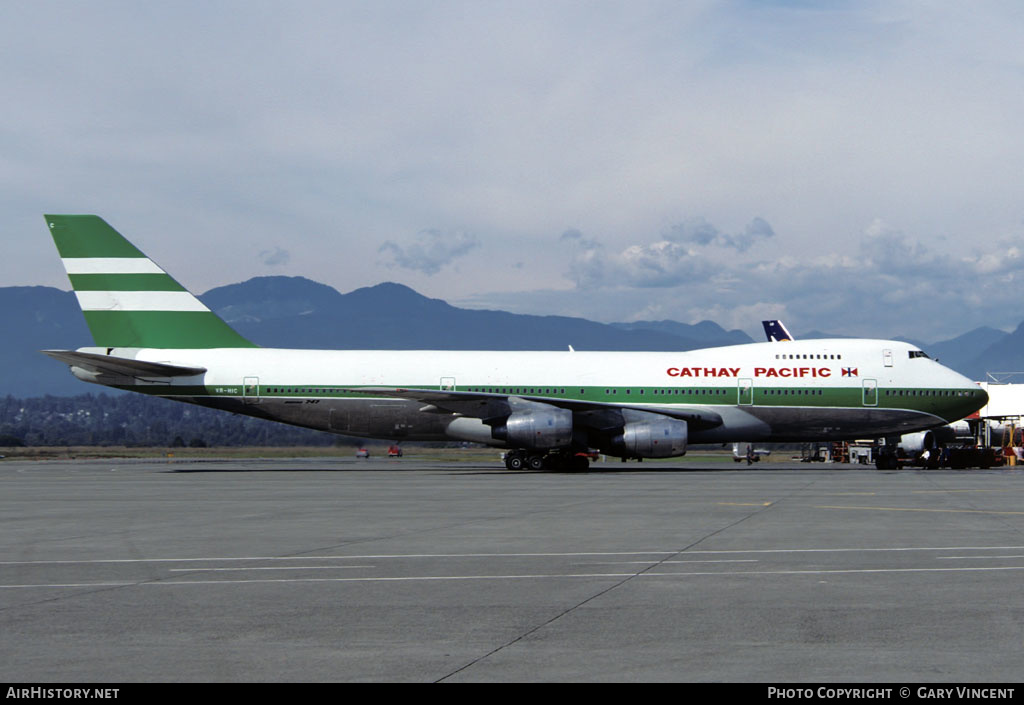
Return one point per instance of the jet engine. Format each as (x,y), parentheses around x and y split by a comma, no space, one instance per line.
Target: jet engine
(917,442)
(536,428)
(656,438)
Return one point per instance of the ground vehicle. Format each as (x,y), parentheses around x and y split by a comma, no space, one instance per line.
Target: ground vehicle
(956,457)
(362,453)
(747,451)
(394,452)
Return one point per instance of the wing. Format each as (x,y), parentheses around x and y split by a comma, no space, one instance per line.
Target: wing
(486,406)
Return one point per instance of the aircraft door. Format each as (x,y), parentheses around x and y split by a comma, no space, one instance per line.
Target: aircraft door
(745,392)
(251,390)
(447,384)
(870,392)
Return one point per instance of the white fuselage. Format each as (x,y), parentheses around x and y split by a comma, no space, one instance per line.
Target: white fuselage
(763,391)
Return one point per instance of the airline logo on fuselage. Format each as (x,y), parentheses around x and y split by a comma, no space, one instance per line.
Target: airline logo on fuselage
(792,372)
(718,372)
(703,371)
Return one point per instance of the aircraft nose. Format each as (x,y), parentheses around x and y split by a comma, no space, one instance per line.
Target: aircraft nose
(964,382)
(984,396)
(975,396)
(968,397)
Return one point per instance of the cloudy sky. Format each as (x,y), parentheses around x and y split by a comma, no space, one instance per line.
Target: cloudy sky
(854,167)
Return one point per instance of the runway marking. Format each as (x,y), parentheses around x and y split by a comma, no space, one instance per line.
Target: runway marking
(386,556)
(956,558)
(864,549)
(282,567)
(745,504)
(324,580)
(723,560)
(70,585)
(850,570)
(593,575)
(913,509)
(540,576)
(952,491)
(331,558)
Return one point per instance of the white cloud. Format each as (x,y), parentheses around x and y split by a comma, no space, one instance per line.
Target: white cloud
(1005,259)
(700,232)
(885,283)
(430,250)
(275,258)
(880,140)
(689,253)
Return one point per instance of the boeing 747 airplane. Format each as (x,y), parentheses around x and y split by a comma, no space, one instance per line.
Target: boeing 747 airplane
(547,408)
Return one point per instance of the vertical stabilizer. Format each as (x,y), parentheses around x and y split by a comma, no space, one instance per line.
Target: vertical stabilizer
(776,332)
(129,301)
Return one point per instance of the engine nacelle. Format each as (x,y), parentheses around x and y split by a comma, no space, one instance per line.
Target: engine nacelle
(536,428)
(957,431)
(657,438)
(917,442)
(86,375)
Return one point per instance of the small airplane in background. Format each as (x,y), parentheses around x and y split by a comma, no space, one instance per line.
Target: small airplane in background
(776,332)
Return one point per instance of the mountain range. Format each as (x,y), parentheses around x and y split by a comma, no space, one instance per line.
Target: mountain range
(299,313)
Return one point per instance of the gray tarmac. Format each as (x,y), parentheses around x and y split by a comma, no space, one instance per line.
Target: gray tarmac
(344,570)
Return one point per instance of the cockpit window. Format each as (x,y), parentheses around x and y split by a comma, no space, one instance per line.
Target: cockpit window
(918,353)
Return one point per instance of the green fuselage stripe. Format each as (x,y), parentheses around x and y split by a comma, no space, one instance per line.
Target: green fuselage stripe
(949,404)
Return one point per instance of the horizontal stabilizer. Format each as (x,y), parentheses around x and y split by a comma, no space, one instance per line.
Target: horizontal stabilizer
(110,365)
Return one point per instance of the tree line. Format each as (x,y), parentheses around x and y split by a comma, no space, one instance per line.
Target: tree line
(138,420)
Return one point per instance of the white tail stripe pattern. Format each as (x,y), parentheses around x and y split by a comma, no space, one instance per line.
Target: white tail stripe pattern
(139,301)
(111,265)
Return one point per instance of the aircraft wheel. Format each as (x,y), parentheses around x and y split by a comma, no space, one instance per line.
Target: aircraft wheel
(535,462)
(514,461)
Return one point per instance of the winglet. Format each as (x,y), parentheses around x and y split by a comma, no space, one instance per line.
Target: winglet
(128,301)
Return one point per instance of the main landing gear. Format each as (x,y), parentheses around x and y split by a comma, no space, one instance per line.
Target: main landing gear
(564,461)
(887,460)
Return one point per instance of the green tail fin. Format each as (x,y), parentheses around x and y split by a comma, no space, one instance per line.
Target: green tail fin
(128,301)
